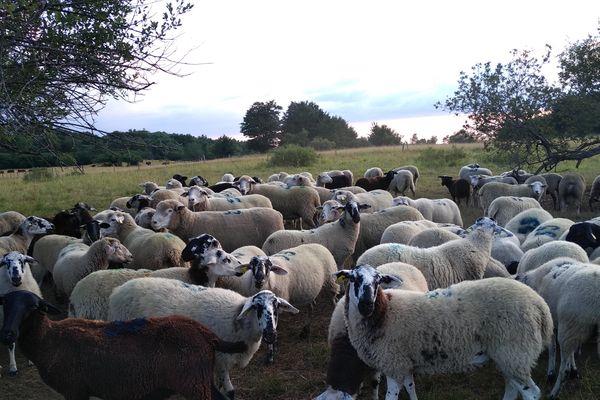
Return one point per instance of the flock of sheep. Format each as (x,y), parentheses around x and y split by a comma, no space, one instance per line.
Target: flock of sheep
(415,291)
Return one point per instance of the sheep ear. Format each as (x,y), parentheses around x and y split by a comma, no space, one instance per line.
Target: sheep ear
(119,219)
(287,307)
(109,249)
(48,308)
(212,259)
(29,259)
(179,207)
(104,225)
(320,208)
(247,307)
(342,276)
(278,270)
(364,206)
(241,269)
(391,281)
(185,194)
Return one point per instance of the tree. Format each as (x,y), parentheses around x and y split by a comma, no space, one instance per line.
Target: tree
(462,136)
(414,139)
(62,60)
(224,147)
(383,135)
(513,109)
(262,125)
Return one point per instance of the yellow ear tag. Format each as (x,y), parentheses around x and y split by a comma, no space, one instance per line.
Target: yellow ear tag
(243,269)
(340,279)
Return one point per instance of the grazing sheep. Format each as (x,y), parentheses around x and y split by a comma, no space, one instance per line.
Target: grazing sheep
(570,191)
(401,332)
(234,228)
(585,234)
(78,260)
(491,191)
(402,181)
(535,257)
(229,315)
(373,172)
(180,351)
(443,265)
(166,247)
(413,170)
(22,237)
(504,208)
(377,200)
(436,210)
(402,232)
(548,231)
(473,169)
(594,192)
(458,188)
(526,221)
(378,182)
(200,200)
(339,237)
(10,221)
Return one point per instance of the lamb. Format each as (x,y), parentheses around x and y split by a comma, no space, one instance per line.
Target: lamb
(473,169)
(570,191)
(378,182)
(89,298)
(458,188)
(491,191)
(436,210)
(377,200)
(402,181)
(413,170)
(444,265)
(526,221)
(373,172)
(585,234)
(594,192)
(402,232)
(535,257)
(200,200)
(402,332)
(166,247)
(346,371)
(22,237)
(180,351)
(504,208)
(229,315)
(548,231)
(10,221)
(338,237)
(78,260)
(15,274)
(234,228)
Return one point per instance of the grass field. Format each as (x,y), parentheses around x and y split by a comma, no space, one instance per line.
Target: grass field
(300,366)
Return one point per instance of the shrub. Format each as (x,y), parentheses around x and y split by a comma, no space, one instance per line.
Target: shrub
(453,157)
(320,143)
(39,175)
(292,156)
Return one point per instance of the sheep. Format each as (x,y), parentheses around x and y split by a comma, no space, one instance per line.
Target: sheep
(120,203)
(377,200)
(402,332)
(165,194)
(181,179)
(47,249)
(402,181)
(10,221)
(333,182)
(594,192)
(504,208)
(339,237)
(150,187)
(179,352)
(458,188)
(378,182)
(373,172)
(200,200)
(537,178)
(570,191)
(15,274)
(166,247)
(277,177)
(413,170)
(198,180)
(346,371)
(68,222)
(432,237)
(535,257)
(22,237)
(526,221)
(443,265)
(144,217)
(468,170)
(436,210)
(490,191)
(229,315)
(228,177)
(519,174)
(78,260)
(402,232)
(548,231)
(477,181)
(330,210)
(234,228)
(89,298)
(585,234)
(553,181)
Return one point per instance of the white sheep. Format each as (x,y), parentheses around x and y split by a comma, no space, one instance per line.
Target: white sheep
(330,210)
(78,260)
(490,191)
(477,181)
(504,208)
(547,231)
(22,237)
(15,274)
(537,256)
(413,170)
(10,221)
(553,181)
(432,237)
(401,332)
(402,232)
(373,172)
(144,217)
(47,249)
(200,200)
(377,200)
(233,228)
(231,316)
(436,210)
(227,177)
(570,191)
(150,187)
(120,203)
(473,169)
(594,192)
(526,221)
(443,265)
(165,248)
(402,181)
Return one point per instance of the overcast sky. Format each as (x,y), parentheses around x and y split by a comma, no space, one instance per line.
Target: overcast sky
(365,61)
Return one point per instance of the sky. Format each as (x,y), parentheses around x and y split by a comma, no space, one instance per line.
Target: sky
(365,61)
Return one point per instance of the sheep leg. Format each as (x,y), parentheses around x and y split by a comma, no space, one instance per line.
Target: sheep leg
(409,385)
(12,369)
(529,390)
(573,373)
(225,383)
(551,374)
(372,380)
(393,389)
(565,367)
(270,353)
(306,329)
(510,390)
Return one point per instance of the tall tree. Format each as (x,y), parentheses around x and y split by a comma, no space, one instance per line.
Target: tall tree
(62,60)
(262,125)
(383,135)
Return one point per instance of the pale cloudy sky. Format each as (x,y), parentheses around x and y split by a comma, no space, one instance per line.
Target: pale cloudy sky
(365,61)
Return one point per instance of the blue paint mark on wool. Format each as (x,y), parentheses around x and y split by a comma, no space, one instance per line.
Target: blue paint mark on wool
(119,328)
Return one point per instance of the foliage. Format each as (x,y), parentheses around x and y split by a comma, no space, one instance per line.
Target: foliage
(453,157)
(261,124)
(39,175)
(321,144)
(383,135)
(62,60)
(292,156)
(513,109)
(462,136)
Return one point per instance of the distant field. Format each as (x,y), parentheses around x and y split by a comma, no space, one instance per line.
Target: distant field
(300,366)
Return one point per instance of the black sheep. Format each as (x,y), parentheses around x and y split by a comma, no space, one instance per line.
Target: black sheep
(458,188)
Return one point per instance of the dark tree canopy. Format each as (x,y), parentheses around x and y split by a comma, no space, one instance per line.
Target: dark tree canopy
(62,60)
(515,110)
(261,124)
(383,135)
